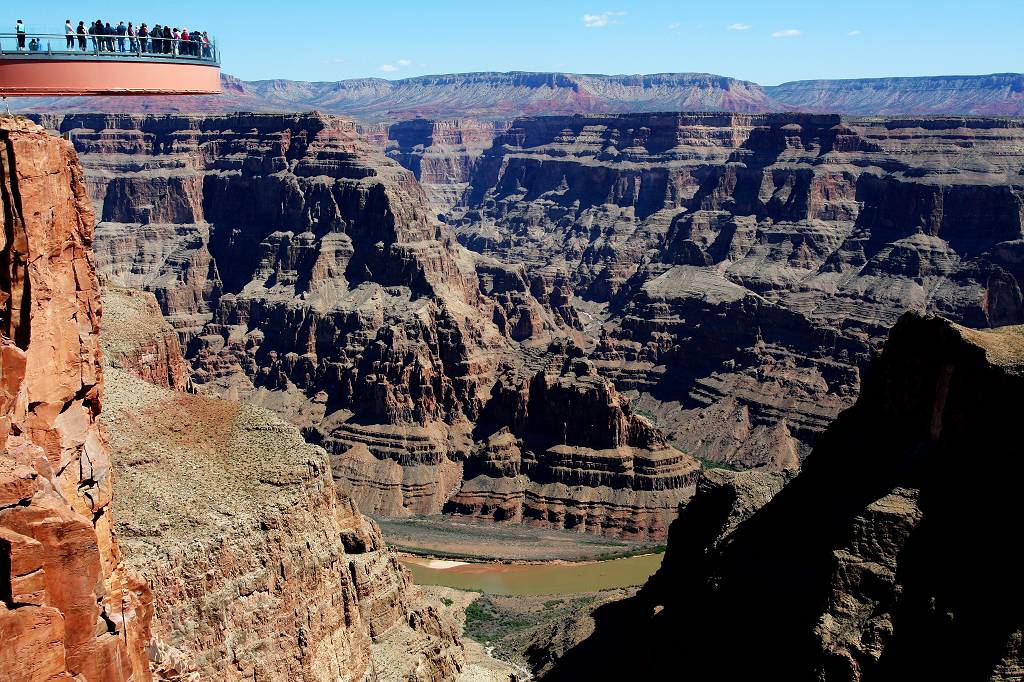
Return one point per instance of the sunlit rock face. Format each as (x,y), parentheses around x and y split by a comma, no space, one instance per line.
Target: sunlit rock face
(69,606)
(737,270)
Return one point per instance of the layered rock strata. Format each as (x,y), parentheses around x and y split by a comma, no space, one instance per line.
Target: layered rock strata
(737,270)
(305,271)
(441,154)
(258,568)
(70,608)
(875,562)
(568,450)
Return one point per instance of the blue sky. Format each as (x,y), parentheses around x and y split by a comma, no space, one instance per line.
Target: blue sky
(766,42)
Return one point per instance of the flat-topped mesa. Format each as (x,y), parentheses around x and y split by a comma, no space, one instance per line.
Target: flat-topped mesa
(875,562)
(69,607)
(809,234)
(505,96)
(997,94)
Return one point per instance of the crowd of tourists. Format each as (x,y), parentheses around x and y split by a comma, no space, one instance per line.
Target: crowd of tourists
(101,36)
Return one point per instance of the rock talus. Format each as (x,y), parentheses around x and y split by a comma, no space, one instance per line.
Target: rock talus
(69,606)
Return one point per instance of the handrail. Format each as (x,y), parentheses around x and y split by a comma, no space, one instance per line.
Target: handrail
(99,45)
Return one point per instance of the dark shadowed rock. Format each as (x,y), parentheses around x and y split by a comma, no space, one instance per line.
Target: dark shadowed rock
(878,561)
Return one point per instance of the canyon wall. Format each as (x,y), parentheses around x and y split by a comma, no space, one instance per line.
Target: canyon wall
(729,274)
(304,271)
(876,562)
(70,607)
(441,154)
(734,271)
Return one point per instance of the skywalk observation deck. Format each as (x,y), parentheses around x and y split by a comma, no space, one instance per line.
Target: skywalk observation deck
(179,68)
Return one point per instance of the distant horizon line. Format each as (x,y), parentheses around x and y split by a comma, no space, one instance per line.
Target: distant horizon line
(1019,74)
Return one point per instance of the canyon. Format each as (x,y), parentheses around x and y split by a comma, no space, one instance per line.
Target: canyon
(150,533)
(737,270)
(439,380)
(501,97)
(689,327)
(604,303)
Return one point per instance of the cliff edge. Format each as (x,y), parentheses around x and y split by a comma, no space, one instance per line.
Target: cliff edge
(69,609)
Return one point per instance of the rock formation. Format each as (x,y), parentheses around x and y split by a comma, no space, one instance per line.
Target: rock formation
(729,273)
(505,96)
(441,154)
(138,340)
(336,299)
(736,270)
(258,568)
(876,562)
(69,606)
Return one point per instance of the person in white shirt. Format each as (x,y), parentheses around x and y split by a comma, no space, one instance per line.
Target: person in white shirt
(69,34)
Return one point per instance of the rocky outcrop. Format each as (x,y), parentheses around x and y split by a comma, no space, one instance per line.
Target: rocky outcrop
(565,448)
(876,562)
(69,606)
(560,448)
(737,270)
(139,340)
(258,568)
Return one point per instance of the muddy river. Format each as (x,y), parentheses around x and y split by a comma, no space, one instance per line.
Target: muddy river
(547,578)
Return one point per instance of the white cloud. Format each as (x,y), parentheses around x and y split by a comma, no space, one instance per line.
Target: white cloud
(675,25)
(387,68)
(853,33)
(404,62)
(788,33)
(738,27)
(335,60)
(601,20)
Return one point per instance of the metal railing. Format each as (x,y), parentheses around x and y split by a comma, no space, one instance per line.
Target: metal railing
(115,46)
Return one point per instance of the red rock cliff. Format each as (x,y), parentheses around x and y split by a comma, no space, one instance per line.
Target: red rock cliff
(68,608)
